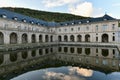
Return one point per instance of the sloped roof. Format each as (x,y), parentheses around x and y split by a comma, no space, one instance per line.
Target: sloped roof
(11,15)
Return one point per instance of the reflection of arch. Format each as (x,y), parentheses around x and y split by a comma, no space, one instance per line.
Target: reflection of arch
(105,38)
(51,50)
(59,38)
(79,50)
(51,38)
(46,51)
(13,38)
(24,54)
(33,53)
(87,51)
(1,38)
(40,38)
(65,49)
(24,38)
(105,52)
(13,57)
(72,38)
(1,59)
(87,38)
(46,38)
(72,50)
(33,38)
(79,38)
(59,49)
(65,38)
(40,51)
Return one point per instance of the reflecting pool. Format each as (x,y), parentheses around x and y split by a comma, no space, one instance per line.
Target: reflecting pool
(61,63)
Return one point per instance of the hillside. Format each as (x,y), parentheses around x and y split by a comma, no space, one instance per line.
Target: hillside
(47,16)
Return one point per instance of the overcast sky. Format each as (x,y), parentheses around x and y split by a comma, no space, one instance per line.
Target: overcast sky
(89,8)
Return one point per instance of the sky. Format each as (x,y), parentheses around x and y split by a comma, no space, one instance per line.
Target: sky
(88,8)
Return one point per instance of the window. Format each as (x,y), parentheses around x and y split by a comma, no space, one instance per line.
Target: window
(96,50)
(65,29)
(97,39)
(72,29)
(59,30)
(78,28)
(113,38)
(87,28)
(96,27)
(104,28)
(113,26)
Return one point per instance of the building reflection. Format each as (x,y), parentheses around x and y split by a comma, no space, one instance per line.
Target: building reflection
(100,58)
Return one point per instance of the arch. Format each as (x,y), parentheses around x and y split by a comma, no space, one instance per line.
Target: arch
(87,51)
(40,38)
(87,38)
(46,38)
(13,57)
(79,38)
(66,38)
(40,51)
(59,38)
(65,49)
(13,38)
(24,38)
(33,38)
(105,38)
(72,50)
(79,50)
(24,54)
(51,38)
(105,52)
(33,53)
(1,38)
(72,38)
(1,58)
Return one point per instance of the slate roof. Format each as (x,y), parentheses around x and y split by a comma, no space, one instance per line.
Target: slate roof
(12,15)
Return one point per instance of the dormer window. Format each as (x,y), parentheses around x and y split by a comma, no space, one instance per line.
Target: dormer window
(105,19)
(15,18)
(66,24)
(72,23)
(31,22)
(38,23)
(4,16)
(24,20)
(79,22)
(88,21)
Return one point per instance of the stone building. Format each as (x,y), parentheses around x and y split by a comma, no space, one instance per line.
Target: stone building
(20,29)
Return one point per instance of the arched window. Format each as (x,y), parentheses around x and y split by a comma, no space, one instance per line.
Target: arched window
(51,38)
(65,38)
(33,38)
(24,38)
(79,38)
(105,38)
(87,38)
(46,38)
(13,38)
(72,38)
(59,38)
(1,38)
(40,38)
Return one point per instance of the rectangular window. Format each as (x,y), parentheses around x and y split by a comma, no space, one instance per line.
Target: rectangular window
(79,29)
(113,38)
(104,28)
(96,27)
(71,29)
(96,39)
(113,26)
(96,50)
(119,24)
